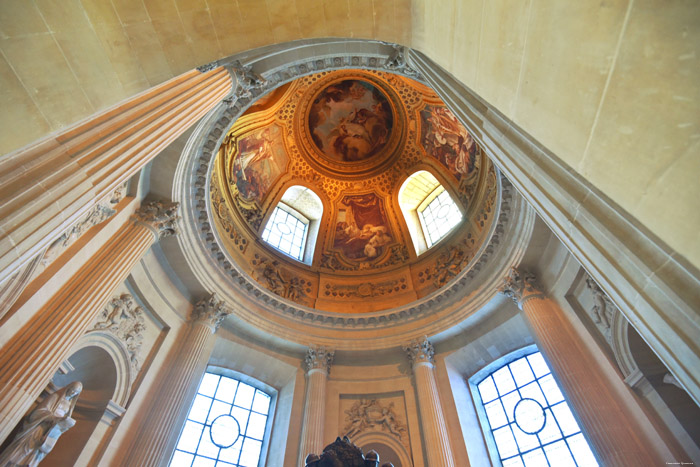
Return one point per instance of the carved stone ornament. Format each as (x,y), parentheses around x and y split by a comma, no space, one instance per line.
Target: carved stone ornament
(210,311)
(521,286)
(420,351)
(366,289)
(603,310)
(248,83)
(125,320)
(207,67)
(269,274)
(318,358)
(397,63)
(98,214)
(367,414)
(160,216)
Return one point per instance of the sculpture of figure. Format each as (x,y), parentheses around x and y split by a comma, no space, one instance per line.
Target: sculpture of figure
(42,427)
(600,308)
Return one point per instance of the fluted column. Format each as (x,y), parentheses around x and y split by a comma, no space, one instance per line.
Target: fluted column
(157,429)
(437,441)
(318,366)
(603,420)
(49,185)
(31,358)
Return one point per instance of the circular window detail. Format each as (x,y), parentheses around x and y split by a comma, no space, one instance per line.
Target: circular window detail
(224,431)
(529,416)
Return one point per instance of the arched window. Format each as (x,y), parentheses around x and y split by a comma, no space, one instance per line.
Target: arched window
(524,415)
(226,425)
(428,208)
(293,225)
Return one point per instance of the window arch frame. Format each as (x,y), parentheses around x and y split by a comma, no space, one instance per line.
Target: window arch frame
(412,217)
(313,224)
(488,432)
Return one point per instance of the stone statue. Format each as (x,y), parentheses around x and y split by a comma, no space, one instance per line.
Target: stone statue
(42,427)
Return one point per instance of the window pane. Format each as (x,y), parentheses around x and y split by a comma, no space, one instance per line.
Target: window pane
(550,432)
(286,231)
(206,447)
(261,403)
(227,389)
(521,372)
(256,426)
(218,408)
(200,408)
(208,385)
(251,453)
(487,389)
(439,216)
(535,458)
(581,451)
(513,462)
(558,454)
(551,390)
(509,402)
(203,462)
(566,419)
(532,391)
(241,416)
(181,459)
(189,438)
(496,415)
(538,364)
(505,442)
(231,454)
(504,381)
(244,396)
(524,440)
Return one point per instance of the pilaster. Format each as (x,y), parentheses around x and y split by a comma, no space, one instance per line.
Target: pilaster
(318,366)
(437,441)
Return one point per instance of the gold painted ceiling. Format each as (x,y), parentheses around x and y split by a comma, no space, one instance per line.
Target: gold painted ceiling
(353,137)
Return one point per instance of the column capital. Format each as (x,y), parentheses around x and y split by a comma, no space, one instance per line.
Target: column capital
(521,286)
(318,358)
(210,311)
(420,351)
(160,217)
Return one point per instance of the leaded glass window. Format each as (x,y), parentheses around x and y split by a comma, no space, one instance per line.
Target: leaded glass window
(286,231)
(529,419)
(225,425)
(439,216)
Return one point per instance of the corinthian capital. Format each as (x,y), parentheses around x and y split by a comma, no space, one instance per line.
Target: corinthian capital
(318,358)
(521,286)
(160,217)
(420,351)
(210,311)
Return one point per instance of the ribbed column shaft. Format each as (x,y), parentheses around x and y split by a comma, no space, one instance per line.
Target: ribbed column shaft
(47,186)
(150,445)
(314,414)
(606,426)
(31,358)
(437,441)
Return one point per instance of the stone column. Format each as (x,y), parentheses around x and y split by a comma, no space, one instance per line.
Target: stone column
(160,425)
(31,358)
(603,420)
(318,365)
(47,186)
(437,441)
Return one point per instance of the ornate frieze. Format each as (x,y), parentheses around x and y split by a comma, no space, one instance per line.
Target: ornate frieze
(210,311)
(274,278)
(123,318)
(319,358)
(420,351)
(161,217)
(521,286)
(365,415)
(365,289)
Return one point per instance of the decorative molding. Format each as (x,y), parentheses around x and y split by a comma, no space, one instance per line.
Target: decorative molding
(123,318)
(420,351)
(210,311)
(248,83)
(159,216)
(207,66)
(365,289)
(319,358)
(521,286)
(367,414)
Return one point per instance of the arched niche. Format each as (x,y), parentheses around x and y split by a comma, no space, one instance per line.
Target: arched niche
(100,363)
(387,446)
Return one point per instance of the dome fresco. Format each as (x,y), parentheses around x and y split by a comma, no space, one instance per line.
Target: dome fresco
(353,137)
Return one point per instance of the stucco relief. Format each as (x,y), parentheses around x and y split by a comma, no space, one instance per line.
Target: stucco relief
(372,414)
(124,319)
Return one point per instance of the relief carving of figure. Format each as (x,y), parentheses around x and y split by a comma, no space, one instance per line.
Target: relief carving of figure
(42,427)
(602,306)
(366,414)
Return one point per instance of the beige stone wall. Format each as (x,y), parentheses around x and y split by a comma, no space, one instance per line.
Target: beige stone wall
(609,87)
(63,60)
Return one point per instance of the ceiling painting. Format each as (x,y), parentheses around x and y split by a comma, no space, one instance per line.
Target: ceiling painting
(350,121)
(352,136)
(446,140)
(362,229)
(260,159)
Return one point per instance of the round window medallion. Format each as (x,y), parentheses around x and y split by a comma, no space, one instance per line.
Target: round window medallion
(224,431)
(529,416)
(283,228)
(443,211)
